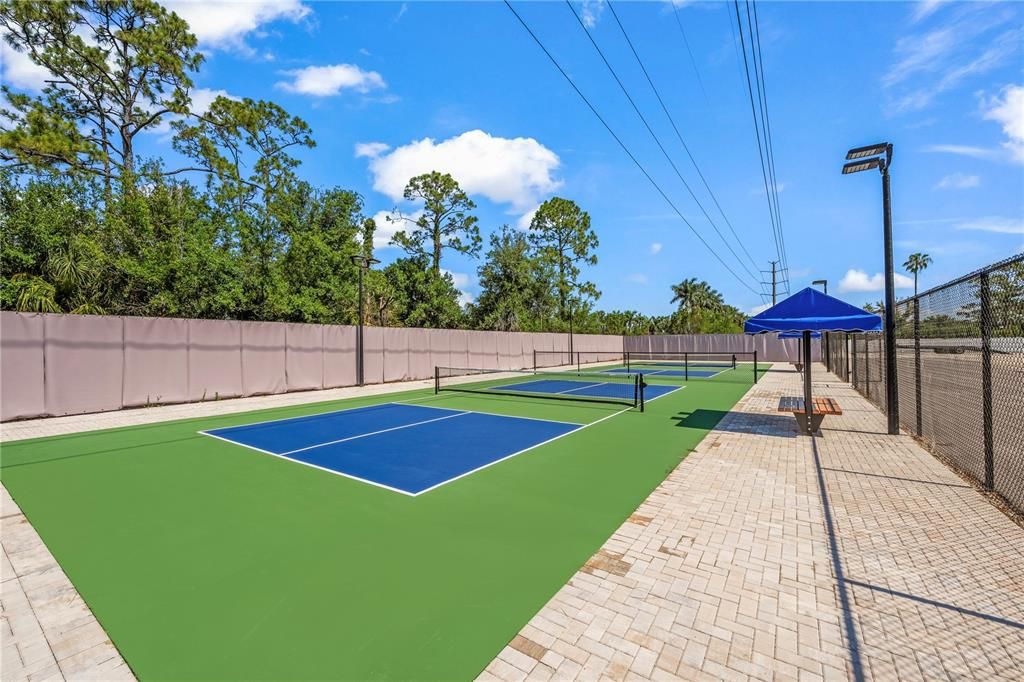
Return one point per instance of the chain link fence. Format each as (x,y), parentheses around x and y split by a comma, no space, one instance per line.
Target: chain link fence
(960,362)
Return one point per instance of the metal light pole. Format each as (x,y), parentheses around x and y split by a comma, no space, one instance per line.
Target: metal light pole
(362,262)
(859,161)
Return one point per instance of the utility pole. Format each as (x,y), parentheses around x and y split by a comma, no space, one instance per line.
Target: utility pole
(774,263)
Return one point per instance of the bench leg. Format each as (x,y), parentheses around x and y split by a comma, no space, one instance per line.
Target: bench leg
(809,426)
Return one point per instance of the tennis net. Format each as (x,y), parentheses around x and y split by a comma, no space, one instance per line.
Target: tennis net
(626,389)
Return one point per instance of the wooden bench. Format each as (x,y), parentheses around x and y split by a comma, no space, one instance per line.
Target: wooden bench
(820,408)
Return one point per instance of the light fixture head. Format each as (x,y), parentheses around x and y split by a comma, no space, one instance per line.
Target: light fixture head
(858,166)
(363,261)
(870,150)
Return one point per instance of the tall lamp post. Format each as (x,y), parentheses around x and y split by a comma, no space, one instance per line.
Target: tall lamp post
(362,262)
(826,335)
(861,159)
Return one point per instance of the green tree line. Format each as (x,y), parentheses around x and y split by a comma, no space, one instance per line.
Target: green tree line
(228,228)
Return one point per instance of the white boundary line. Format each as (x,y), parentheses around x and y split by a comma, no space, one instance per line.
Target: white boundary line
(284,456)
(311,465)
(492,414)
(677,388)
(536,445)
(374,433)
(305,416)
(584,387)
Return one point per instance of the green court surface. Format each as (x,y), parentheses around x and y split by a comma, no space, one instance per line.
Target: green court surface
(206,560)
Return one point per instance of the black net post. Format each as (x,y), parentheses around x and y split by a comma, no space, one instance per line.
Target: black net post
(986,378)
(686,366)
(437,379)
(639,391)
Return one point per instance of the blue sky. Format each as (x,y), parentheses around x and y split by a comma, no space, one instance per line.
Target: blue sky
(394,89)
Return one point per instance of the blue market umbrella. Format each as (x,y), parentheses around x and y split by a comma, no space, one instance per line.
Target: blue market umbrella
(806,312)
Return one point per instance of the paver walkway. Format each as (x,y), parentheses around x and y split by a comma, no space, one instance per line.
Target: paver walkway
(769,555)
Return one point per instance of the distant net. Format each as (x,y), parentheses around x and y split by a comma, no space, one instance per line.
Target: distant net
(624,389)
(688,365)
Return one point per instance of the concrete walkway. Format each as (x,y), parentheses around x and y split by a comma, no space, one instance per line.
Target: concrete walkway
(768,555)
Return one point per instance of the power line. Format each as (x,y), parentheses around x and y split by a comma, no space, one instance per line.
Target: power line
(676,129)
(686,42)
(771,143)
(633,158)
(757,134)
(657,140)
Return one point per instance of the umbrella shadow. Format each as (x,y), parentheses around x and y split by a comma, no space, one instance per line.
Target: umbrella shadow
(779,425)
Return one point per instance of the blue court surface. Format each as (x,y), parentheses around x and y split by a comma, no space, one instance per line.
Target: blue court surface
(694,373)
(595,389)
(406,448)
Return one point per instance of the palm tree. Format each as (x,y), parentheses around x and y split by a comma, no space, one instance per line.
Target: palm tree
(695,297)
(915,263)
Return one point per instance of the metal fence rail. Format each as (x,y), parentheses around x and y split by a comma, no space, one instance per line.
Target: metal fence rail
(960,360)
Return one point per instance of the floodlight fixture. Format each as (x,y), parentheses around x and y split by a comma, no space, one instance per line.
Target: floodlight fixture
(364,261)
(862,159)
(869,150)
(858,166)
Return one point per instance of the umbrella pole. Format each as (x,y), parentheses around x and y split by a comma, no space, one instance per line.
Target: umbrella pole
(808,402)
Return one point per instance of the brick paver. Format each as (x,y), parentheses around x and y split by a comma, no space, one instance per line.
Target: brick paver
(771,555)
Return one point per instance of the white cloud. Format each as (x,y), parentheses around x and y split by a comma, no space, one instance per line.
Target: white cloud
(462,281)
(507,171)
(961,150)
(637,278)
(971,42)
(759,308)
(858,280)
(202,98)
(226,25)
(526,219)
(759,191)
(996,224)
(958,181)
(924,9)
(17,70)
(592,10)
(1009,112)
(371,149)
(655,248)
(386,228)
(326,81)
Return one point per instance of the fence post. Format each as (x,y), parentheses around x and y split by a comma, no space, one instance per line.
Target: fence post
(986,379)
(917,364)
(867,367)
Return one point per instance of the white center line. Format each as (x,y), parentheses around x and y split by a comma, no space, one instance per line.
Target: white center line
(373,433)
